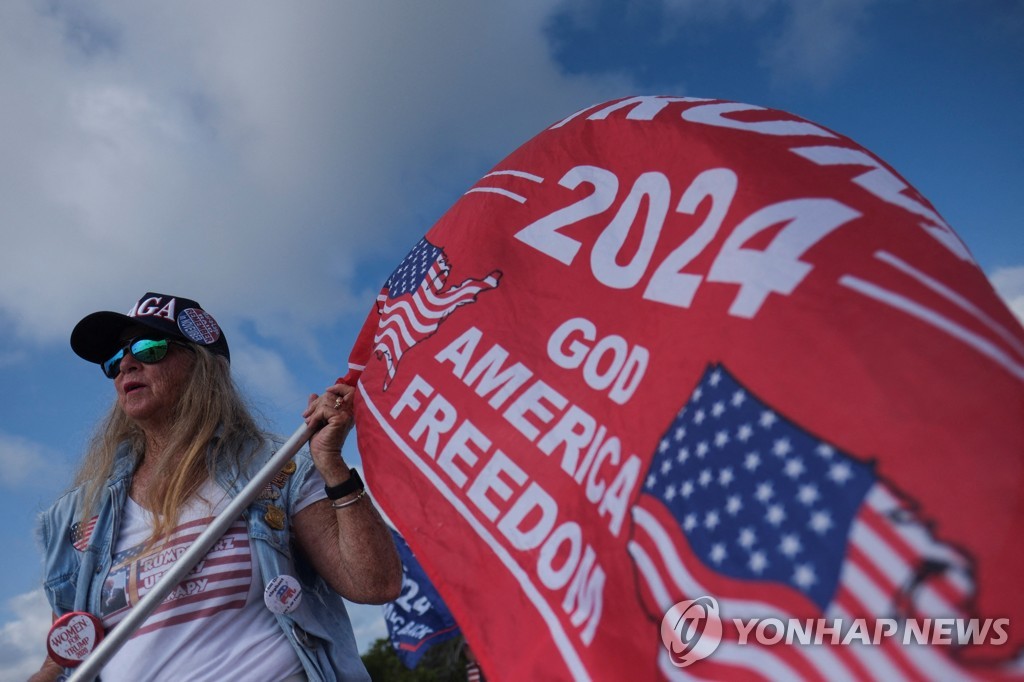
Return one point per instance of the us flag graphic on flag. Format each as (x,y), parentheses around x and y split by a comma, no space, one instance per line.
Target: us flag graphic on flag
(415,301)
(741,504)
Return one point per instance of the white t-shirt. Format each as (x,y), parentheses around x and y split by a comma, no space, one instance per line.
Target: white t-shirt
(214,625)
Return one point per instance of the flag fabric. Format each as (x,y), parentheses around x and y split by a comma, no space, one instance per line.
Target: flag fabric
(700,348)
(415,300)
(418,619)
(761,503)
(473,673)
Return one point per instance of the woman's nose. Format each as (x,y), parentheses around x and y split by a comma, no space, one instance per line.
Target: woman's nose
(129,362)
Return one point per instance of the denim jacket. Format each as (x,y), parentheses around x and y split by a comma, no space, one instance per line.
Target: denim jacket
(319,629)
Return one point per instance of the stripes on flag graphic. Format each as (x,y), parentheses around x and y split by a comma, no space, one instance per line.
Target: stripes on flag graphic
(219,582)
(744,505)
(81,532)
(415,301)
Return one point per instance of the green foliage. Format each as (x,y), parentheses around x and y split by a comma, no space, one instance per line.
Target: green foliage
(444,662)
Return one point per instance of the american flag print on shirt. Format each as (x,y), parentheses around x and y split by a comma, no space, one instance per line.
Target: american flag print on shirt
(415,301)
(741,504)
(221,581)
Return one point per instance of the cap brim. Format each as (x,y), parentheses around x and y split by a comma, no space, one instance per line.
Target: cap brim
(98,336)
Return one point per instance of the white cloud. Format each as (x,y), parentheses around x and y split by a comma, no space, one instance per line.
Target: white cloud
(265,377)
(1009,284)
(23,637)
(815,41)
(819,39)
(23,463)
(250,156)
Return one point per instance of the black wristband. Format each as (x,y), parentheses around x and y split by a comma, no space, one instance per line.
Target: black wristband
(353,485)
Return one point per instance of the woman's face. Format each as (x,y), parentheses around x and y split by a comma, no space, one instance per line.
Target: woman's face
(148,393)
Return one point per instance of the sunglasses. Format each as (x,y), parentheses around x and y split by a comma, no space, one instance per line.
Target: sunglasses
(144,350)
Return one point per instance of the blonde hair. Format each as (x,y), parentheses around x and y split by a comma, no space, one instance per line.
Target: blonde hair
(211,423)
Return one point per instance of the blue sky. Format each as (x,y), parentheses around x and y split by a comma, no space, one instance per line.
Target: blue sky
(276,161)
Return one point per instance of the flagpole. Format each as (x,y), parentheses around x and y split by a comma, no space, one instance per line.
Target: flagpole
(113,641)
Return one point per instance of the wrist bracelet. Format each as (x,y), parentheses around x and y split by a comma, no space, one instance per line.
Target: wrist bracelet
(352,484)
(342,505)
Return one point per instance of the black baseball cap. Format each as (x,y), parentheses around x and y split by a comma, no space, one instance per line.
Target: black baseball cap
(98,335)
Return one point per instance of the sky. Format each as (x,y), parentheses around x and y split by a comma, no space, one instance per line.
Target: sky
(275,161)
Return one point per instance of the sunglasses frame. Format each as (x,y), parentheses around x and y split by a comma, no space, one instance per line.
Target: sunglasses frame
(112,367)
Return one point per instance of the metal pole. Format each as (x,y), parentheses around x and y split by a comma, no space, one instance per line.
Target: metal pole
(113,641)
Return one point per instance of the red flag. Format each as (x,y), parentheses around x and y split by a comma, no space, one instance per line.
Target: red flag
(703,348)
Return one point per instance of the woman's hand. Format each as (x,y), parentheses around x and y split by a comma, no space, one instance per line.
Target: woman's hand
(350,546)
(330,415)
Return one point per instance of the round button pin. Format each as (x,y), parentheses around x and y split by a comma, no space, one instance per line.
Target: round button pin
(283,594)
(73,637)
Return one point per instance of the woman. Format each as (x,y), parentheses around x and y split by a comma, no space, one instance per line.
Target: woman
(177,445)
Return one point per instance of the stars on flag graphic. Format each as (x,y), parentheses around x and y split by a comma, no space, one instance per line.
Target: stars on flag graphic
(416,299)
(743,504)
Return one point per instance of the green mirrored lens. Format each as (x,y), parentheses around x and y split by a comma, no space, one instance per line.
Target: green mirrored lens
(143,350)
(113,365)
(148,350)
